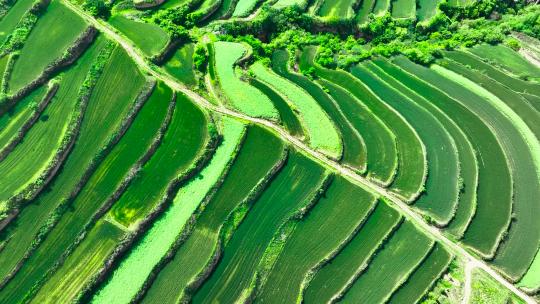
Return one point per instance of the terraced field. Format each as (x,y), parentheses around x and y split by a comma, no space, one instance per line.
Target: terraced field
(205,151)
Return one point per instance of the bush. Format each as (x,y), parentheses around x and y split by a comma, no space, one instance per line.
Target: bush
(97,8)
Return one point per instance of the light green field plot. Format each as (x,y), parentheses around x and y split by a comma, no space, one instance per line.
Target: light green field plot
(186,118)
(508,59)
(523,151)
(81,265)
(411,168)
(9,22)
(426,9)
(440,198)
(181,65)
(502,77)
(423,278)
(336,8)
(46,42)
(174,3)
(467,158)
(381,7)
(182,144)
(287,3)
(354,148)
(239,94)
(461,3)
(288,117)
(531,279)
(244,7)
(327,226)
(12,121)
(106,102)
(494,194)
(390,267)
(261,148)
(320,130)
(150,38)
(366,7)
(207,8)
(329,281)
(404,9)
(225,9)
(288,192)
(129,277)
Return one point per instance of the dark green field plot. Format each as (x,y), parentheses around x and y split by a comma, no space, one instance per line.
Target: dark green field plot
(426,9)
(364,10)
(9,22)
(422,279)
(354,148)
(287,193)
(392,266)
(411,168)
(467,158)
(186,117)
(12,121)
(523,152)
(336,8)
(47,41)
(181,65)
(106,102)
(149,37)
(183,142)
(261,148)
(380,142)
(440,197)
(331,279)
(286,114)
(508,59)
(494,194)
(328,225)
(404,9)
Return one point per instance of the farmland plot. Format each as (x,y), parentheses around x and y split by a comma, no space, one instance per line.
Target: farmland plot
(46,42)
(518,85)
(411,168)
(239,94)
(288,117)
(187,118)
(123,284)
(354,148)
(12,121)
(494,194)
(295,184)
(193,257)
(280,4)
(331,280)
(149,37)
(9,22)
(181,65)
(336,9)
(508,59)
(106,102)
(391,267)
(422,279)
(426,9)
(364,10)
(523,151)
(404,9)
(440,197)
(321,132)
(328,225)
(244,7)
(467,158)
(381,7)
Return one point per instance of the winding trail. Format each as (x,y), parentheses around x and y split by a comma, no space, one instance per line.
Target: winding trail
(401,206)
